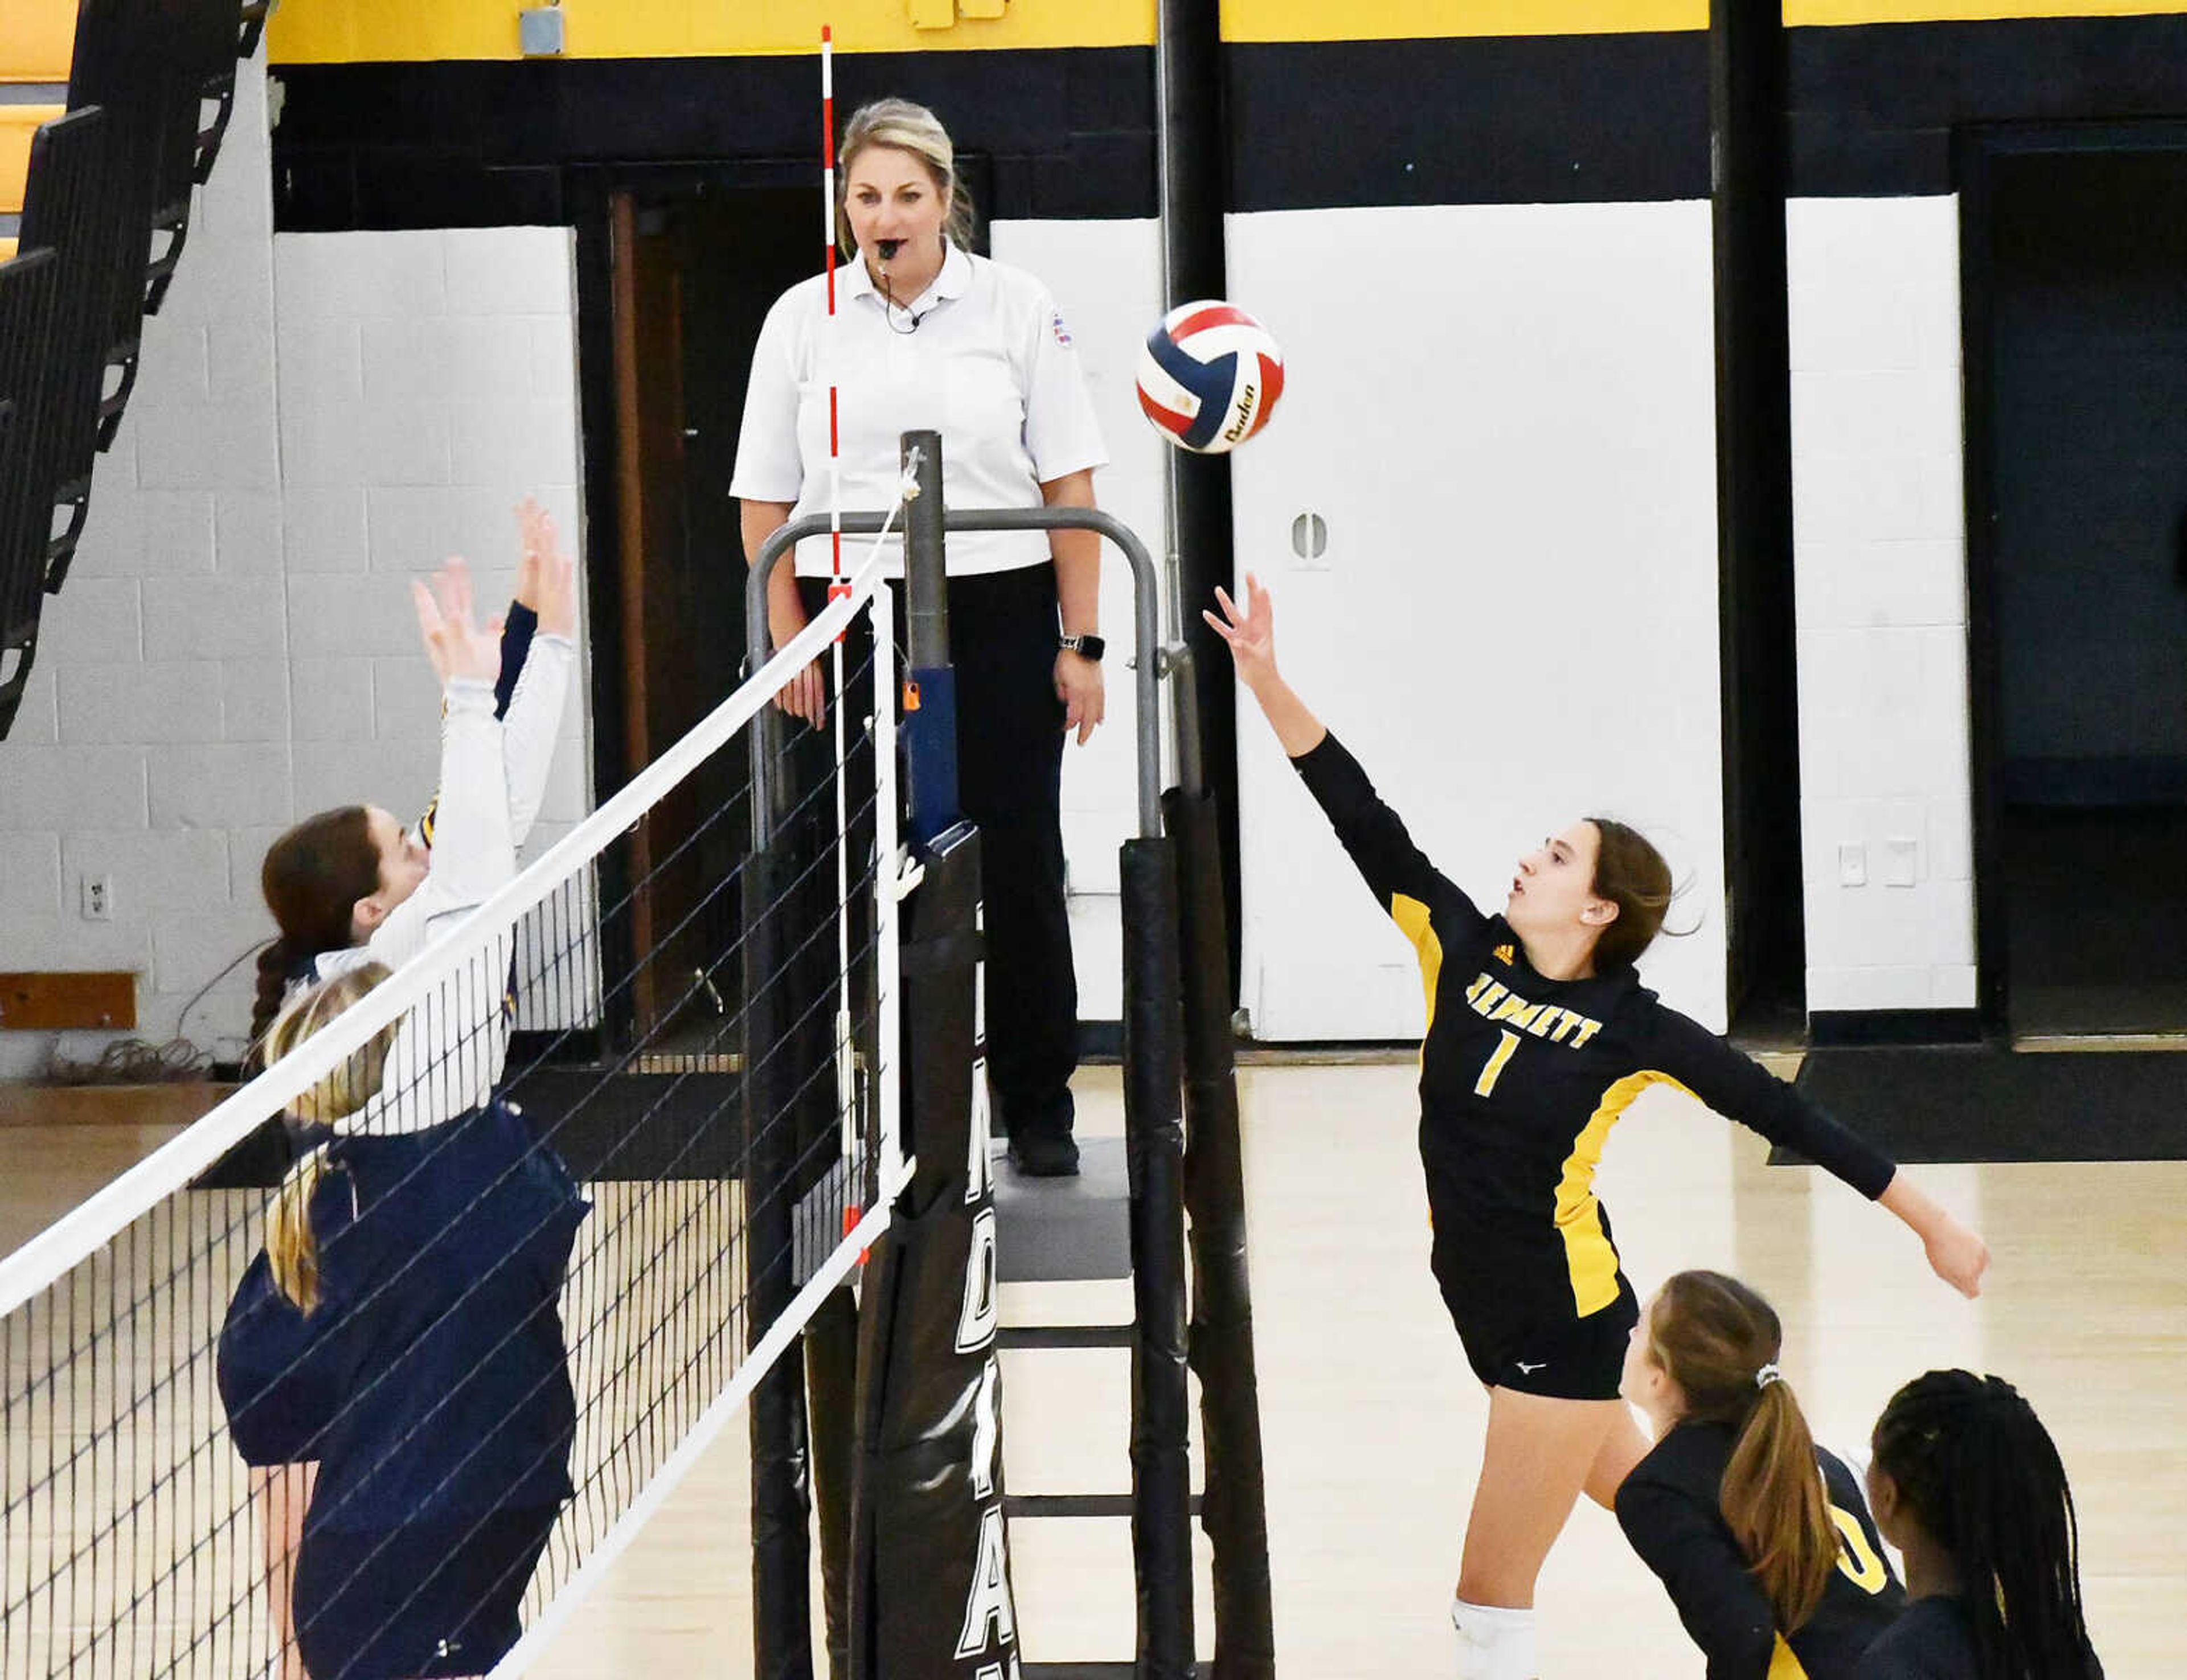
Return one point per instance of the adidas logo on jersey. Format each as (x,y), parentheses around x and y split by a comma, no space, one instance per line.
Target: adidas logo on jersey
(1503,954)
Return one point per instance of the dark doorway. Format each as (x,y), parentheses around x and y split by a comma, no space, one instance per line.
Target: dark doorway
(693,266)
(2077,442)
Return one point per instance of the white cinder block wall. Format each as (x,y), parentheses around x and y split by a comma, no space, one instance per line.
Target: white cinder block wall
(1881,568)
(317,417)
(1515,622)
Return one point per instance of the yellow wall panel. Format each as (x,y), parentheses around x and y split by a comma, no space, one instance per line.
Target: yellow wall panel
(1801,12)
(365,32)
(1428,19)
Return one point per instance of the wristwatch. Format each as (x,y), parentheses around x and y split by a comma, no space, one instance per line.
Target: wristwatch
(1086,647)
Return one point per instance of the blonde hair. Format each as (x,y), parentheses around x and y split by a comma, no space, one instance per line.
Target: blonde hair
(907,128)
(291,1250)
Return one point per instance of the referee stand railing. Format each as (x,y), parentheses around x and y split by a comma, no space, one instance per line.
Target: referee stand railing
(928,1451)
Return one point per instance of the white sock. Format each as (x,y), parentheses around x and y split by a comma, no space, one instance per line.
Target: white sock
(1494,1644)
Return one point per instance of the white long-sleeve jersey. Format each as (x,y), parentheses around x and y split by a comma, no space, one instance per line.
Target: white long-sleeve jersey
(452,1047)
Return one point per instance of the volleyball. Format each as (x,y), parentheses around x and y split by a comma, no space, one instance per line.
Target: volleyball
(1208,376)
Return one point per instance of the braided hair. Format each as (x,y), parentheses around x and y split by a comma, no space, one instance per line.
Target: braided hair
(1981,1476)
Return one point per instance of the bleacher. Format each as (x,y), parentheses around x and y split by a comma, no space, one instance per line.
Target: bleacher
(111,113)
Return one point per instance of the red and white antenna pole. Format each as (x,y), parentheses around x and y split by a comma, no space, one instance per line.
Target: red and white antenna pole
(847,1105)
(837,586)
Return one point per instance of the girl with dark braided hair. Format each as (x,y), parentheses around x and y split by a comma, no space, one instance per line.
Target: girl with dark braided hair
(1967,1484)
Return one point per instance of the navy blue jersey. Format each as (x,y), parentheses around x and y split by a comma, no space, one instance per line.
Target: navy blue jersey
(1670,1510)
(1522,1078)
(431,1381)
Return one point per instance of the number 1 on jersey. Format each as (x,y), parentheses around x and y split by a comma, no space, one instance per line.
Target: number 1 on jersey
(1485,1084)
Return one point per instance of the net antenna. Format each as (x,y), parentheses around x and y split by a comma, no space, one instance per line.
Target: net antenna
(131,1542)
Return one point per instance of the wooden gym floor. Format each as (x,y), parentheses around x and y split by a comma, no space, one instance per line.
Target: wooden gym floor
(1373,1423)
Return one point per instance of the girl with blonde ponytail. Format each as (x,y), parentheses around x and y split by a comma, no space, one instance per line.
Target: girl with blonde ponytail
(1761,1538)
(292,1252)
(393,1365)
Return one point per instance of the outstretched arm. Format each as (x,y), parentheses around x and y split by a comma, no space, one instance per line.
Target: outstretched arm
(1251,635)
(1373,834)
(1956,1253)
(1737,1087)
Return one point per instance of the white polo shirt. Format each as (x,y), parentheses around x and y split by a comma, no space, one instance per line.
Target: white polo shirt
(990,365)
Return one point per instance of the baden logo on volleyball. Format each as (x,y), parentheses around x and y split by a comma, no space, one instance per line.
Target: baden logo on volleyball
(1210,376)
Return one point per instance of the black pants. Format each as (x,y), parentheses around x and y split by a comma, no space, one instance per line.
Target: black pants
(1003,629)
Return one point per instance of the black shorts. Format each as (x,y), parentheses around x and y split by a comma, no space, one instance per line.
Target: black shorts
(421,1601)
(1565,1358)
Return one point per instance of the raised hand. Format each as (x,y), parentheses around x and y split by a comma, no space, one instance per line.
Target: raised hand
(1251,633)
(546,577)
(453,640)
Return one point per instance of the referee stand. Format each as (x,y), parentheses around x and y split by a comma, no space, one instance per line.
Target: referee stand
(925,1590)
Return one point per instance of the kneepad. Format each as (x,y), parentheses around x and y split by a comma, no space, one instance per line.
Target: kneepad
(1494,1644)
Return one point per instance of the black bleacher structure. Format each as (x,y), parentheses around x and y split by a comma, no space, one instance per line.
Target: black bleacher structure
(106,211)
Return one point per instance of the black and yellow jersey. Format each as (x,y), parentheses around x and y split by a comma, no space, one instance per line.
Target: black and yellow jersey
(1523,1077)
(1670,1510)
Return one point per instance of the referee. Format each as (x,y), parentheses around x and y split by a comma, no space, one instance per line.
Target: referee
(927,335)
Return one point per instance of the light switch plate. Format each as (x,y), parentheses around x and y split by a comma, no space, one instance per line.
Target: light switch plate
(1853,866)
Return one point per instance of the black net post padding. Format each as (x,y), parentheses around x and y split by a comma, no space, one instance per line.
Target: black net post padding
(930,1588)
(1233,1509)
(781,1511)
(1153,1145)
(831,1375)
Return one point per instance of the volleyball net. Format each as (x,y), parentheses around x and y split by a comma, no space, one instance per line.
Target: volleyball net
(599,1155)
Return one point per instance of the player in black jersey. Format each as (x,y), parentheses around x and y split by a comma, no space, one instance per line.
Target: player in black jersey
(1967,1483)
(1539,1036)
(1762,1539)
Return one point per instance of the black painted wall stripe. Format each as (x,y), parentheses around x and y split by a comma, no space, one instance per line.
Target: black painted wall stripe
(1064,133)
(1068,133)
(1534,120)
(1872,107)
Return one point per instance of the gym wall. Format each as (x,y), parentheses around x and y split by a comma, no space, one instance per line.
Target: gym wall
(234,649)
(1877,93)
(1492,283)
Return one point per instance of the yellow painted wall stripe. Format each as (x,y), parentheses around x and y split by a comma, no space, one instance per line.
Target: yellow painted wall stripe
(1592,1260)
(1806,12)
(412,31)
(1270,20)
(1428,19)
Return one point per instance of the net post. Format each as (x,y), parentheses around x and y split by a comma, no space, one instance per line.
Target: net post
(1234,1511)
(1154,1144)
(930,728)
(781,1510)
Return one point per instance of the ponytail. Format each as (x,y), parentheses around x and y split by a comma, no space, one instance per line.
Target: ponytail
(312,876)
(292,1248)
(1771,1496)
(277,964)
(1718,1341)
(1980,1475)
